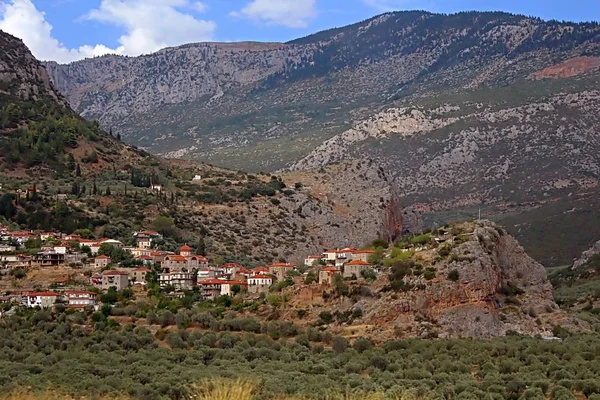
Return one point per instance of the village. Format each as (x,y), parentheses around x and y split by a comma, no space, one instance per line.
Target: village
(79,270)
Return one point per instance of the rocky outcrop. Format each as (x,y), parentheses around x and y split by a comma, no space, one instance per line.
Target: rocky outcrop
(586,255)
(487,286)
(21,75)
(569,68)
(136,85)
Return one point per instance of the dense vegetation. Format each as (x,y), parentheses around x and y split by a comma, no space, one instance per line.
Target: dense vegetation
(40,349)
(49,131)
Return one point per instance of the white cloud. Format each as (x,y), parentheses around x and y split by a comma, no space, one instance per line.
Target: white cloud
(199,7)
(149,25)
(290,13)
(21,19)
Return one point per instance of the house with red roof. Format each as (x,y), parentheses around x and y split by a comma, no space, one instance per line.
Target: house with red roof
(138,275)
(362,255)
(80,299)
(260,271)
(113,278)
(144,239)
(185,261)
(101,261)
(41,299)
(280,270)
(326,275)
(354,268)
(211,288)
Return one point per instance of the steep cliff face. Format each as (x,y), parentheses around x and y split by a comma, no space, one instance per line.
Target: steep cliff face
(21,75)
(113,88)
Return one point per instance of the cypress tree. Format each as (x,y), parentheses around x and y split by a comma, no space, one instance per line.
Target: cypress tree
(78,170)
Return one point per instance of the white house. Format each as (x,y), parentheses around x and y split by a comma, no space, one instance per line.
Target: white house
(41,299)
(226,287)
(5,248)
(259,283)
(62,248)
(197,178)
(80,299)
(156,186)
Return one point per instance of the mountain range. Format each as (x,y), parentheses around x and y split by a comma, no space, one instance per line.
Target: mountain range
(477,111)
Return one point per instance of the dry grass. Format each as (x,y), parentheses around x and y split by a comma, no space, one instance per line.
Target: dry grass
(212,389)
(224,389)
(26,394)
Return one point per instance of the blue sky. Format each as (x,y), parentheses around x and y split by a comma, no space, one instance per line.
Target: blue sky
(68,30)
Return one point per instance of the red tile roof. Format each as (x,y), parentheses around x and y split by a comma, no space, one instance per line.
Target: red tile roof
(211,282)
(175,257)
(261,277)
(277,265)
(364,251)
(113,272)
(260,269)
(330,269)
(358,262)
(44,294)
(233,283)
(315,257)
(185,248)
(232,265)
(102,257)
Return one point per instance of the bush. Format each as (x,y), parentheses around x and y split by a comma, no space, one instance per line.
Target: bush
(362,344)
(453,275)
(339,344)
(421,239)
(325,317)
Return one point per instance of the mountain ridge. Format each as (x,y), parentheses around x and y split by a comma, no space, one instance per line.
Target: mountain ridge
(503,108)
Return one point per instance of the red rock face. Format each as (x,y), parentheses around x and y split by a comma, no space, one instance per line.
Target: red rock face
(573,67)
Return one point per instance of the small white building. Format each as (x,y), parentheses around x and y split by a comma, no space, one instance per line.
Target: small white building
(41,299)
(226,287)
(80,299)
(5,248)
(197,178)
(259,283)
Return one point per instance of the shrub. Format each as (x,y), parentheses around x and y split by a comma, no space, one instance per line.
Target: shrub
(325,317)
(453,275)
(421,239)
(362,344)
(339,344)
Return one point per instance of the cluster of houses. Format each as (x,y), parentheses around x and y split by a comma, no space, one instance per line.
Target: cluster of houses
(178,271)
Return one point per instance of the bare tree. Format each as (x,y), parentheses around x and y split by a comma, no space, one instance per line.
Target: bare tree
(391,220)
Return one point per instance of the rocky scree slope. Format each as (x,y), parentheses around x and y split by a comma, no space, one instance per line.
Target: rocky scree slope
(273,103)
